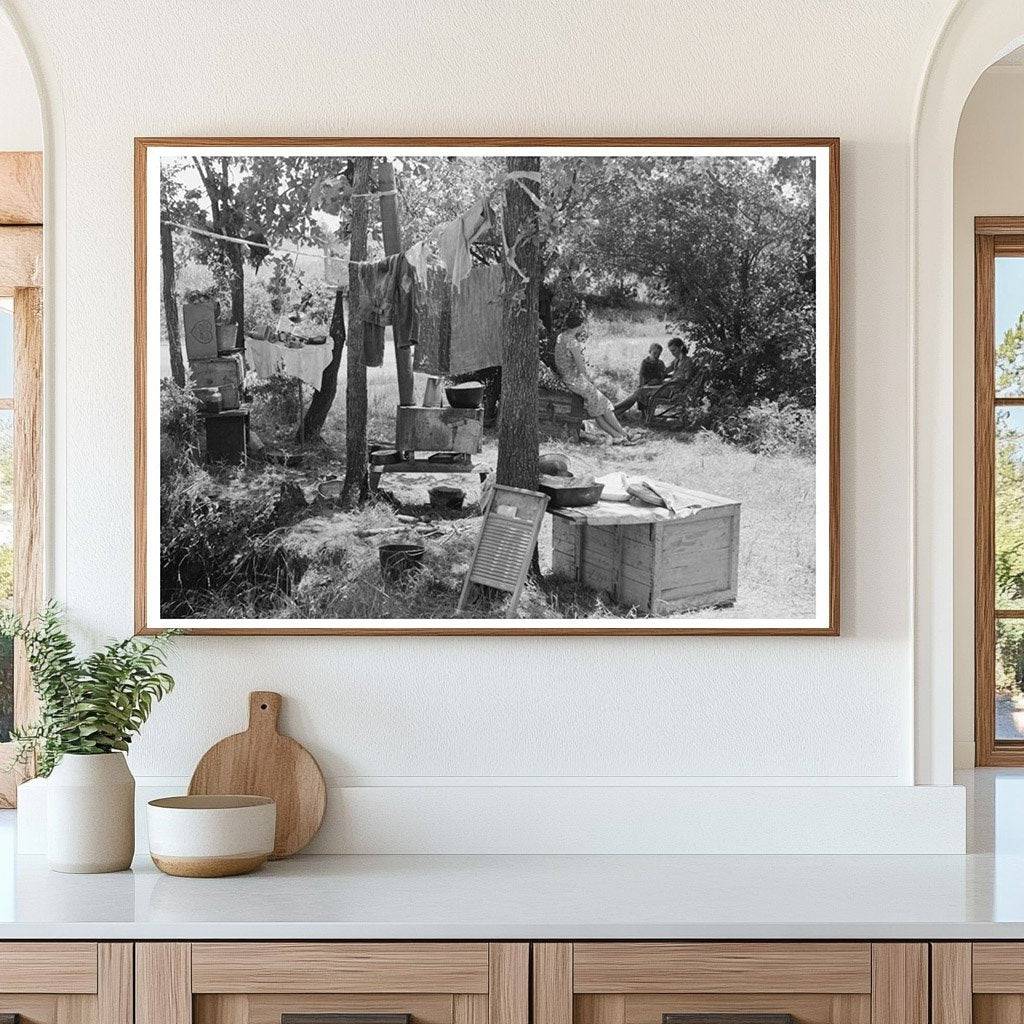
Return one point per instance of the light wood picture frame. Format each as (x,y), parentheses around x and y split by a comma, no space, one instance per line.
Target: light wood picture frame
(819,614)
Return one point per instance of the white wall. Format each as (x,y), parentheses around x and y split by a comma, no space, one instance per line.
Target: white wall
(443,713)
(988,181)
(21,125)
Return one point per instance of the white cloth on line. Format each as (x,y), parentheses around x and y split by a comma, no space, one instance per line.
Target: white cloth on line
(268,358)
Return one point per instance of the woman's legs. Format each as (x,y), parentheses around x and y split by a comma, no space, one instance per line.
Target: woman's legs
(614,426)
(606,420)
(602,425)
(611,426)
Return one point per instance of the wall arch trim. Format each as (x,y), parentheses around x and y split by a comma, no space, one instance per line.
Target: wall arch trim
(976,33)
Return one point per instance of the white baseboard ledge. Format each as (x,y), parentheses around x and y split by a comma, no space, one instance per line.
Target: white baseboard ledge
(598,819)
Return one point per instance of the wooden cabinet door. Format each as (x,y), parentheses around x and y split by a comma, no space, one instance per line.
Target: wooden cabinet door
(737,982)
(66,982)
(977,983)
(304,982)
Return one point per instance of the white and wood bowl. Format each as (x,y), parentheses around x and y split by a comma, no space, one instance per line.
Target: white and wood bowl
(211,836)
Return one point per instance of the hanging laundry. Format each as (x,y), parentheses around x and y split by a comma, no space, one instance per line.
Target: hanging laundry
(371,308)
(476,320)
(264,359)
(457,236)
(418,255)
(433,347)
(389,296)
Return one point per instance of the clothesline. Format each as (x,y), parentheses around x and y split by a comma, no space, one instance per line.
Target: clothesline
(445,233)
(256,245)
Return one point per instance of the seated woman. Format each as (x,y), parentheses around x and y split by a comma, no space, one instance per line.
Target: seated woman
(572,367)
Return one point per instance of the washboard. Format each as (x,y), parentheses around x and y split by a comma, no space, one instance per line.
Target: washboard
(504,549)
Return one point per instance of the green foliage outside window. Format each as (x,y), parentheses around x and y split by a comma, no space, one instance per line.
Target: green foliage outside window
(1009,510)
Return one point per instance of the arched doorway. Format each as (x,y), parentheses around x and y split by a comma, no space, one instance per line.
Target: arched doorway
(975,35)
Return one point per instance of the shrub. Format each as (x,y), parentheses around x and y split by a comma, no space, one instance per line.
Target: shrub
(179,426)
(771,429)
(222,544)
(275,406)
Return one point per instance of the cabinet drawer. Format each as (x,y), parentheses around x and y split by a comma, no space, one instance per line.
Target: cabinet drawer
(981,982)
(262,982)
(630,967)
(66,982)
(735,982)
(998,967)
(48,967)
(340,967)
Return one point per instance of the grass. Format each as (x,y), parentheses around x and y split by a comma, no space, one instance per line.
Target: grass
(335,554)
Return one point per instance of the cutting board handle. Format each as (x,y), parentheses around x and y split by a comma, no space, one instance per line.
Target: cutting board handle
(264,710)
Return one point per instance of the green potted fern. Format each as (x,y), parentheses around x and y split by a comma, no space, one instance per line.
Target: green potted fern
(89,709)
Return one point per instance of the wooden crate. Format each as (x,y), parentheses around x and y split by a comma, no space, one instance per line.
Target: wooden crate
(672,564)
(559,413)
(224,371)
(421,429)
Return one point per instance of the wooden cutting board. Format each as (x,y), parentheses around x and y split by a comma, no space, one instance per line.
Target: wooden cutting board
(262,762)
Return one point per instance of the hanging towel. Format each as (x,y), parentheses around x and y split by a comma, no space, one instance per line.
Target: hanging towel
(476,320)
(433,343)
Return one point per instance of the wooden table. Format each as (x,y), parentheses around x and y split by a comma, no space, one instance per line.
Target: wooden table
(650,558)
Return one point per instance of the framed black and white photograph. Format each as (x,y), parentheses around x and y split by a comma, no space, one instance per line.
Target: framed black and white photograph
(557,386)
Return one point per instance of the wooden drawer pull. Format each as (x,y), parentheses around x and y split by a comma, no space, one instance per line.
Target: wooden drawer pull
(339,1018)
(728,1018)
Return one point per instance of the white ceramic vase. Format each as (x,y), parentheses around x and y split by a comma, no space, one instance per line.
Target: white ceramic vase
(90,814)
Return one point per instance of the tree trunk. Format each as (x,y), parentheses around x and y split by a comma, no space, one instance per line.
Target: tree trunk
(517,429)
(171,304)
(237,291)
(322,400)
(354,487)
(226,220)
(392,245)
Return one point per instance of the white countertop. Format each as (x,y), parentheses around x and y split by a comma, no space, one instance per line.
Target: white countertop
(532,897)
(978,896)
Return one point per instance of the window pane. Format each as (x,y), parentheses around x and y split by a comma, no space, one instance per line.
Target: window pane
(1009,679)
(1009,323)
(1009,485)
(6,567)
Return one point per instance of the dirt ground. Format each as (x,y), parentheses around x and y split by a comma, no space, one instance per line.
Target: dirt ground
(776,493)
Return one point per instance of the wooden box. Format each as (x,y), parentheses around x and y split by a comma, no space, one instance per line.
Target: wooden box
(421,429)
(669,564)
(224,371)
(559,413)
(200,330)
(227,436)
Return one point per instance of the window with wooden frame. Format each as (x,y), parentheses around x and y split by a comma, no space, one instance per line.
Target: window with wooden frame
(999,491)
(21,366)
